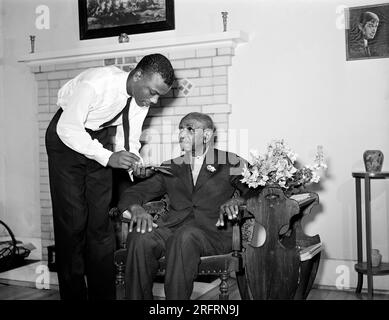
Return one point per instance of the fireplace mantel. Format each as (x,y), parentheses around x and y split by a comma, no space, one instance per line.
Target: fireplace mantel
(223,39)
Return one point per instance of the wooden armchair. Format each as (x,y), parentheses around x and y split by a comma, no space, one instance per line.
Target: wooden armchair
(260,273)
(220,265)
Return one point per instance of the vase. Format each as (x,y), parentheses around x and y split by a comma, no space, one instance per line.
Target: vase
(373,160)
(376,258)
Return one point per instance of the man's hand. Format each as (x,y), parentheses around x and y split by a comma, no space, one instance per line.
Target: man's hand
(123,160)
(141,171)
(231,209)
(143,220)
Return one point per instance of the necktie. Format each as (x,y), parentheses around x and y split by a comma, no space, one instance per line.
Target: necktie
(126,125)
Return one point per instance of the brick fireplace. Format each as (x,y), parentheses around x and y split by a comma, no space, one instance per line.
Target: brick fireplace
(201,66)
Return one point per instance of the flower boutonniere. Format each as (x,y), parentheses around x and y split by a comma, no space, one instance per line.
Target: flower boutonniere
(211,168)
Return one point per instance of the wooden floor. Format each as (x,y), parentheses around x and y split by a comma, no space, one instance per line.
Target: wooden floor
(13,292)
(315,294)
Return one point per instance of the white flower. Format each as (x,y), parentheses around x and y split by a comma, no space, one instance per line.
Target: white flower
(253,184)
(255,157)
(315,178)
(292,156)
(211,168)
(254,173)
(246,172)
(265,178)
(282,183)
(254,153)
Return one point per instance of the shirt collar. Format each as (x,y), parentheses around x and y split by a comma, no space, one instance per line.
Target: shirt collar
(123,80)
(202,156)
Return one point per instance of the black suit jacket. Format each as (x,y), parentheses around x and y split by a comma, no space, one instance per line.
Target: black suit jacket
(218,178)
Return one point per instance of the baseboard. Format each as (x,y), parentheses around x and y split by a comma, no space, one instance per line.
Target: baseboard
(27,284)
(351,290)
(339,274)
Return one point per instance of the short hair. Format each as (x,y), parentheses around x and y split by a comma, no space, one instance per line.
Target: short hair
(201,117)
(157,63)
(367,16)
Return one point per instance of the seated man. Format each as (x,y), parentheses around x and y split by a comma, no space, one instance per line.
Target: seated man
(201,186)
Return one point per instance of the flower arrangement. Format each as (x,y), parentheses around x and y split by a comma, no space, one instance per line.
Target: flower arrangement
(278,167)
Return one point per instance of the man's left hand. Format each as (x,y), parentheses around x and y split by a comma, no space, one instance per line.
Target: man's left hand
(231,209)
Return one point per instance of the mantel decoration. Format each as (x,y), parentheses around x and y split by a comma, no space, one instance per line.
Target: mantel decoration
(278,167)
(32,43)
(224,17)
(108,18)
(124,38)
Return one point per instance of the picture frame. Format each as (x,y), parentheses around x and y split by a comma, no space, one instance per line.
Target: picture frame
(108,18)
(367,31)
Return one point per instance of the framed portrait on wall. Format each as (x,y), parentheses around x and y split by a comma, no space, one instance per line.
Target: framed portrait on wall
(367,32)
(108,18)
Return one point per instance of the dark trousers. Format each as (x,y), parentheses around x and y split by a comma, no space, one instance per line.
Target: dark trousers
(121,181)
(84,241)
(182,248)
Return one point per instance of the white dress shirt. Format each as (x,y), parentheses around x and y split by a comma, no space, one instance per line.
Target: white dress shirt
(92,98)
(197,163)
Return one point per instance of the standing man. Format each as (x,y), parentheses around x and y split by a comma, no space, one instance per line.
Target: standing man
(100,109)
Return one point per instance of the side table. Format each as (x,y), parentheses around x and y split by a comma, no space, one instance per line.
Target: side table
(366,267)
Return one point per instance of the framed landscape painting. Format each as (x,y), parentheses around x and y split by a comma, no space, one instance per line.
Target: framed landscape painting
(367,32)
(109,18)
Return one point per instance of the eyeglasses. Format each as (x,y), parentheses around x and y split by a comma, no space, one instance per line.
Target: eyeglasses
(191,129)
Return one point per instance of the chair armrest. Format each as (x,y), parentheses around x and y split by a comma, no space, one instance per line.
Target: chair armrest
(236,242)
(152,207)
(155,208)
(236,230)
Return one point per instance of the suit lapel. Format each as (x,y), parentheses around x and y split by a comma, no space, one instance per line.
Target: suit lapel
(184,173)
(210,162)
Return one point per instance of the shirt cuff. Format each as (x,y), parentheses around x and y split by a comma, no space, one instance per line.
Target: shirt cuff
(131,174)
(102,156)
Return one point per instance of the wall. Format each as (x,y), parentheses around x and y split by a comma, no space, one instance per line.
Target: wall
(298,86)
(290,81)
(20,178)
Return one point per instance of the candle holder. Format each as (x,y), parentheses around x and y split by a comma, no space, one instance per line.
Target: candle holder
(32,40)
(224,16)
